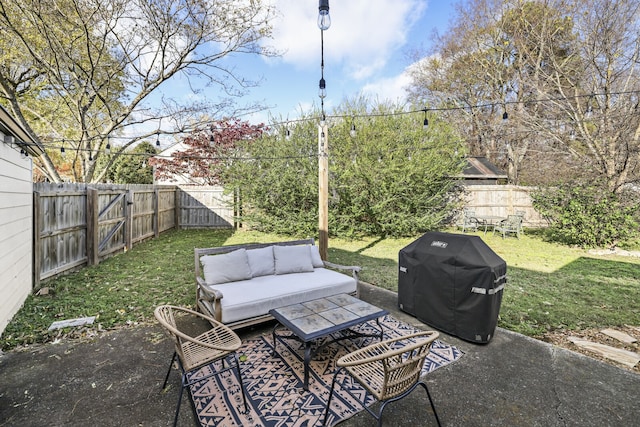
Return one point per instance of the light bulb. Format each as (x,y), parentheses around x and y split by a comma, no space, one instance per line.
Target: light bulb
(352,132)
(324,20)
(322,91)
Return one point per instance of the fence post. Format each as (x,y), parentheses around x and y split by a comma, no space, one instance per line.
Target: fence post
(92,226)
(176,211)
(37,242)
(128,218)
(156,212)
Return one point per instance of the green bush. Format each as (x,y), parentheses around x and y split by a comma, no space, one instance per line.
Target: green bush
(393,178)
(587,215)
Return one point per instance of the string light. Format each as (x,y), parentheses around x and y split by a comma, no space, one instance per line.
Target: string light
(324,117)
(108,147)
(352,132)
(425,124)
(324,20)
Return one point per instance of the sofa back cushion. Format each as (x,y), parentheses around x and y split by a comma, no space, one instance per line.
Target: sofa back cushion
(316,259)
(261,261)
(223,268)
(292,259)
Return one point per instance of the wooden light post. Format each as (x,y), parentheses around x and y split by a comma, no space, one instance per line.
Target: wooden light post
(323,190)
(324,21)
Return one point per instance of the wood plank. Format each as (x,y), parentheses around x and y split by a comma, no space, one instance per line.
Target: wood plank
(627,358)
(619,335)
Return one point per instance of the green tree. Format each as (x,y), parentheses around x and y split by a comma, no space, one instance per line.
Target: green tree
(392,178)
(133,166)
(81,71)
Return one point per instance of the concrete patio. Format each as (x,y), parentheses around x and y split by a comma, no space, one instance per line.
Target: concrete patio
(115,379)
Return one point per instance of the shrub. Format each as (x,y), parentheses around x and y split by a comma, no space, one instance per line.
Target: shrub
(587,215)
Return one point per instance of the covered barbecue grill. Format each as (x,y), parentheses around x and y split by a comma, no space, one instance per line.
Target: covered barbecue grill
(453,282)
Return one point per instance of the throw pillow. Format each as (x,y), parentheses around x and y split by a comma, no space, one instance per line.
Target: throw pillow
(316,260)
(292,259)
(229,267)
(261,261)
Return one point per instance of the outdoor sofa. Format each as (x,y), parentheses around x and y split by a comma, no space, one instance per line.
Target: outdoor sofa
(238,285)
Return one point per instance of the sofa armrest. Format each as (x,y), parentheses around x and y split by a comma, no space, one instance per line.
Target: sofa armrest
(207,293)
(355,270)
(212,296)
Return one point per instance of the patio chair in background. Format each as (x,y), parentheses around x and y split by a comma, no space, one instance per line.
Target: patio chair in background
(218,344)
(388,370)
(513,225)
(468,221)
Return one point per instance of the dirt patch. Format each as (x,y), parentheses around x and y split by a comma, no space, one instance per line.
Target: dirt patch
(561,339)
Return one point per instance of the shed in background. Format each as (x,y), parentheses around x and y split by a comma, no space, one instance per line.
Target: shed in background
(480,171)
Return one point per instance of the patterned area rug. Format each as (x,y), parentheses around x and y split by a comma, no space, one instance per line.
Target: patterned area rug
(275,396)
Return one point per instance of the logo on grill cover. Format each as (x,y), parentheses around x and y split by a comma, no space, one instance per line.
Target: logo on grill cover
(439,244)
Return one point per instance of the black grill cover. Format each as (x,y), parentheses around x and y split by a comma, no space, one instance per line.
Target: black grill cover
(453,282)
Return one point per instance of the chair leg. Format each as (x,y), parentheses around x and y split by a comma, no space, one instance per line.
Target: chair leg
(403,395)
(430,401)
(333,383)
(166,378)
(182,387)
(244,397)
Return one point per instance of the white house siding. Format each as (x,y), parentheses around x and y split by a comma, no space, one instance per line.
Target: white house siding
(16,205)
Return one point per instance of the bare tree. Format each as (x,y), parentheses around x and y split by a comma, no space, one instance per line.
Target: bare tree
(564,71)
(77,72)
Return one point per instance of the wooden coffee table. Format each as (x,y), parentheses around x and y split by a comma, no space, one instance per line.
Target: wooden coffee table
(319,318)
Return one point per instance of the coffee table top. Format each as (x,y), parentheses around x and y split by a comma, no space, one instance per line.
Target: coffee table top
(323,316)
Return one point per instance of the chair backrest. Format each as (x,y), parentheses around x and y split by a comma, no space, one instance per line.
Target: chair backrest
(514,222)
(165,316)
(402,366)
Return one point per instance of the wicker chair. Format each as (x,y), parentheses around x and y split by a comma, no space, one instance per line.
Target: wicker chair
(389,370)
(194,352)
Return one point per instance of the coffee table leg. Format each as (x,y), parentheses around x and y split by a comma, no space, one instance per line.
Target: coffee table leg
(380,327)
(307,360)
(274,338)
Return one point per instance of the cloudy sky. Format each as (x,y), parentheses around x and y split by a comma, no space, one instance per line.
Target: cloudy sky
(366,50)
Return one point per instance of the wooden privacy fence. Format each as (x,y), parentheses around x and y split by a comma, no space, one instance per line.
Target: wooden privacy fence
(502,200)
(78,224)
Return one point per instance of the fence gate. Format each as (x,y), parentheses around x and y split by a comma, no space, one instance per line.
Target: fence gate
(108,226)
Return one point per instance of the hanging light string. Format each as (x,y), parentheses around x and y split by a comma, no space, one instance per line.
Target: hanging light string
(63,141)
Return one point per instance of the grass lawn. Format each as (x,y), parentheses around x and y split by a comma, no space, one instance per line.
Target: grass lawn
(550,287)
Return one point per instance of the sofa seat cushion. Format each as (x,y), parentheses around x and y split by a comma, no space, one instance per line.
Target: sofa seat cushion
(250,298)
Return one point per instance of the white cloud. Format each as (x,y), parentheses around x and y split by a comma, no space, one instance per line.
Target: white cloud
(389,88)
(362,37)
